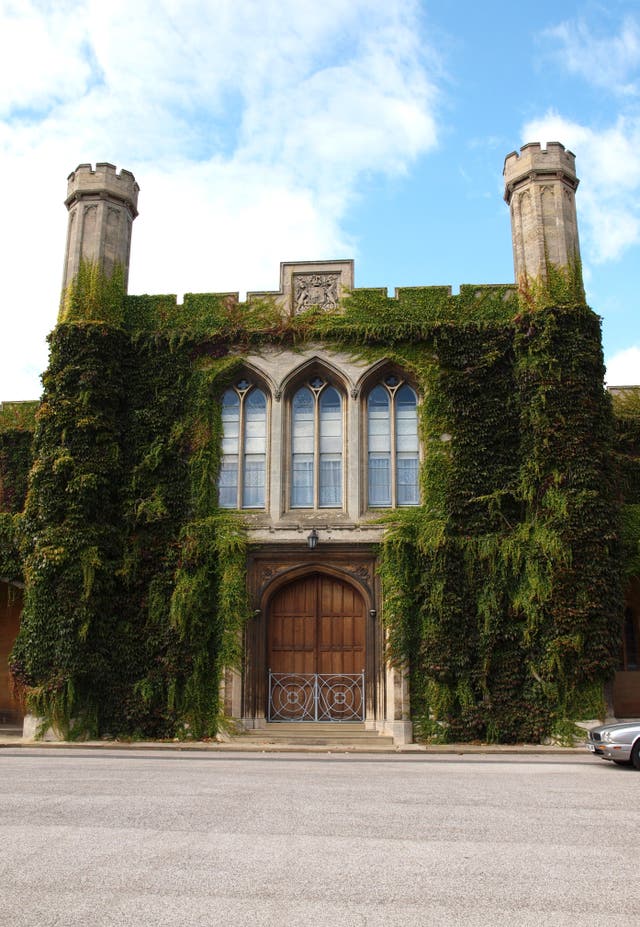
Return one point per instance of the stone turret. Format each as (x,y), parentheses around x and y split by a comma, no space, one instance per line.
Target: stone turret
(539,187)
(102,205)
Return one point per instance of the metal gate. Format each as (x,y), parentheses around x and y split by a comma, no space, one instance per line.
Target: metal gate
(316,696)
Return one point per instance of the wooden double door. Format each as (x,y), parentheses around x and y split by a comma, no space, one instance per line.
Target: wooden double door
(316,651)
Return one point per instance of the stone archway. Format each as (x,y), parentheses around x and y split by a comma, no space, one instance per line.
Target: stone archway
(273,567)
(316,650)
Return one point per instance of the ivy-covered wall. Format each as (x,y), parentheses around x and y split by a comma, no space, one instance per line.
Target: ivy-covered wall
(626,454)
(502,591)
(133,597)
(518,546)
(17,423)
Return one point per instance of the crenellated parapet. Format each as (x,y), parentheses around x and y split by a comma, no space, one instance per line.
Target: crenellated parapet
(532,158)
(209,315)
(102,204)
(103,181)
(540,185)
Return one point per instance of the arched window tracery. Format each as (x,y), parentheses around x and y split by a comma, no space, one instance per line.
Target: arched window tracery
(392,444)
(316,445)
(242,480)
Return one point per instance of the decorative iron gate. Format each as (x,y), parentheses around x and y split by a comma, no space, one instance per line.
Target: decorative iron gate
(316,696)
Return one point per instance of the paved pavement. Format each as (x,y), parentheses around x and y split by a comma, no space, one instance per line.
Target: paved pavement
(160,839)
(240,745)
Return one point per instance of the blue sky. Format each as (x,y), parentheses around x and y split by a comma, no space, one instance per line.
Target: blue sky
(263,131)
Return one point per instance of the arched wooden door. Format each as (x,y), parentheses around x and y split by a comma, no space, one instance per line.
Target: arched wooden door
(316,651)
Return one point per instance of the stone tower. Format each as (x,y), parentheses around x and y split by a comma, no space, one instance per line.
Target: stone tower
(102,205)
(539,187)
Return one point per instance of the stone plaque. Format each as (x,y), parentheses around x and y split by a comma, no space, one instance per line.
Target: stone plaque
(315,290)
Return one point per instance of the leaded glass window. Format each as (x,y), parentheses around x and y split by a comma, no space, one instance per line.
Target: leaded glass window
(242,481)
(392,444)
(316,446)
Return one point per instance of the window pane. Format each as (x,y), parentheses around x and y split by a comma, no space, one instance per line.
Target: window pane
(407,447)
(330,422)
(255,447)
(379,421)
(228,482)
(379,479)
(330,490)
(302,447)
(255,424)
(379,443)
(330,481)
(303,422)
(407,475)
(253,489)
(228,479)
(302,481)
(230,422)
(406,420)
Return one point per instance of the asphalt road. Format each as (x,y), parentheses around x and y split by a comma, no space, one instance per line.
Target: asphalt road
(159,840)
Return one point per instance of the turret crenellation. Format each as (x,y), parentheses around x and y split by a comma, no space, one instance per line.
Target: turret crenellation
(534,159)
(102,204)
(539,187)
(86,181)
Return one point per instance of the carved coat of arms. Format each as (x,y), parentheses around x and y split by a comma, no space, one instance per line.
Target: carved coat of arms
(319,290)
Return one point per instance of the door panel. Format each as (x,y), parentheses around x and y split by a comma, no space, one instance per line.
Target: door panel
(341,628)
(317,625)
(292,629)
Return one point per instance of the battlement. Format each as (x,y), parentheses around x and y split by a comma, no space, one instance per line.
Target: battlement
(18,415)
(534,161)
(86,181)
(212,315)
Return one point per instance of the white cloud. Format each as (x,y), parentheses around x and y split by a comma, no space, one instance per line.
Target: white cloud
(608,163)
(608,155)
(43,58)
(242,221)
(611,62)
(623,368)
(249,125)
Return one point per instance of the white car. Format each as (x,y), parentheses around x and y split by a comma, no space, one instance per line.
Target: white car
(617,742)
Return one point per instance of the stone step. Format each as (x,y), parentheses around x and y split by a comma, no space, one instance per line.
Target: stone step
(322,742)
(315,726)
(316,734)
(10,730)
(285,738)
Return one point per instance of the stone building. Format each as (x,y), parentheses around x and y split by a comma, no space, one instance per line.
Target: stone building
(319,439)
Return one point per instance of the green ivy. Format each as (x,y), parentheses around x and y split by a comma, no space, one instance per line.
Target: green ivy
(17,423)
(505,590)
(10,559)
(94,295)
(502,591)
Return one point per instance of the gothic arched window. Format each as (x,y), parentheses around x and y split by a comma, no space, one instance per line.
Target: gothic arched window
(244,448)
(392,444)
(316,446)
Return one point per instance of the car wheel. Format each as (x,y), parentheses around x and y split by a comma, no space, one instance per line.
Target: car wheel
(635,754)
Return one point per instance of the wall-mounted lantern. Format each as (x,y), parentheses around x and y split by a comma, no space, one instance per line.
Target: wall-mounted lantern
(312,539)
